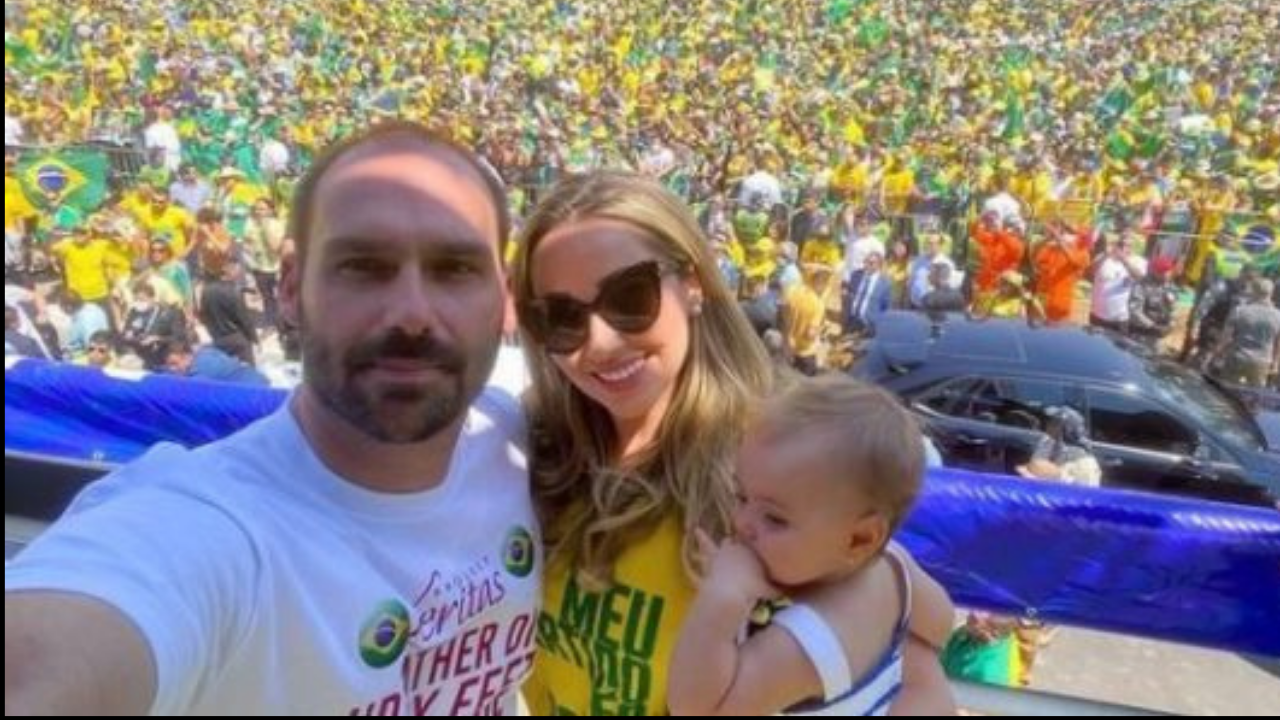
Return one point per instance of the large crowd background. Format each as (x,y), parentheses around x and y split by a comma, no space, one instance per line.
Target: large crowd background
(1110,163)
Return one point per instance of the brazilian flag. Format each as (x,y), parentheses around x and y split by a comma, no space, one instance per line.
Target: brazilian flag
(75,179)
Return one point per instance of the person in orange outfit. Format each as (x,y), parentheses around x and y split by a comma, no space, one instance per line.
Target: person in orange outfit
(999,250)
(1059,263)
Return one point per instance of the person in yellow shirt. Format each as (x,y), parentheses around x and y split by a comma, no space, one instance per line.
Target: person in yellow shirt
(897,187)
(1212,207)
(87,265)
(804,313)
(1034,187)
(161,218)
(18,210)
(822,248)
(644,365)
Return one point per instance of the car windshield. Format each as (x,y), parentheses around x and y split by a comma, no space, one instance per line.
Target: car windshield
(1209,406)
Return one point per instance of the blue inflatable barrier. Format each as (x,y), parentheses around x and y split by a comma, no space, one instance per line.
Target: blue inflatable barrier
(83,414)
(1190,571)
(1184,570)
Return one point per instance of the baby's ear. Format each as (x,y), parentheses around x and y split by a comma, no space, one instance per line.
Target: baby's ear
(868,536)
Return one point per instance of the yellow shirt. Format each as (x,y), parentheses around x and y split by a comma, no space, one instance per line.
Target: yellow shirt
(761,258)
(608,653)
(16,205)
(897,190)
(1034,189)
(998,307)
(174,222)
(87,267)
(119,259)
(247,194)
(852,178)
(822,251)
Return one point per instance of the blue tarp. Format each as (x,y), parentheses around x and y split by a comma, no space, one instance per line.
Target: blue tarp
(1178,569)
(80,413)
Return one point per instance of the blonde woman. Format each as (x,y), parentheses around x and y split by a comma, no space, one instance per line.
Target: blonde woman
(643,369)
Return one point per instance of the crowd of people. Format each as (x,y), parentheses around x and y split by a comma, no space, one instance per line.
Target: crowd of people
(1033,138)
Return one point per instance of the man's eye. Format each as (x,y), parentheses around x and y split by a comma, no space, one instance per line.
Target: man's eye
(366,268)
(456,268)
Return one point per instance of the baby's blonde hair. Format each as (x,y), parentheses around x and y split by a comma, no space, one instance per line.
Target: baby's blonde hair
(872,440)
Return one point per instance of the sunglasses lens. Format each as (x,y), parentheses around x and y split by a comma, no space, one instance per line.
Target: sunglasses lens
(632,301)
(564,323)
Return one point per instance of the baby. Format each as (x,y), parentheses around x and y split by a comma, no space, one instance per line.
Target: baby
(828,470)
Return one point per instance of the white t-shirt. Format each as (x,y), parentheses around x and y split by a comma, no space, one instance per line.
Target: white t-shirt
(19,298)
(164,136)
(760,184)
(274,157)
(265,584)
(1112,286)
(12,131)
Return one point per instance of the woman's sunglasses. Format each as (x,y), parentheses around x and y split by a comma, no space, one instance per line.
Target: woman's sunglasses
(629,300)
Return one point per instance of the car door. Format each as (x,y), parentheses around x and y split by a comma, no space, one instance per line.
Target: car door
(1141,445)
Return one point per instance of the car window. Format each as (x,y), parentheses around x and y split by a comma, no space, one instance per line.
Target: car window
(1205,405)
(1131,421)
(954,397)
(1012,402)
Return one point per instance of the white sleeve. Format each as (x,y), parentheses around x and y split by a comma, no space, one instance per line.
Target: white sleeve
(182,570)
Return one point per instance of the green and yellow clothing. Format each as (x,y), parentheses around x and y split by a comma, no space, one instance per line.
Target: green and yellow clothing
(1228,262)
(608,652)
(760,258)
(173,221)
(1212,208)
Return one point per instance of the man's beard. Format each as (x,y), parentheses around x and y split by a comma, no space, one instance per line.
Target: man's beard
(398,414)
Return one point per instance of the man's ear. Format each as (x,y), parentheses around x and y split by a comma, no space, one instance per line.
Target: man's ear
(289,291)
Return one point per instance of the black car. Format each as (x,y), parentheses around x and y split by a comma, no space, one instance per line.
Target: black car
(983,386)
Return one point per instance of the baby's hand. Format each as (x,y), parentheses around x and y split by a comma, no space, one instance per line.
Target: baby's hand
(734,570)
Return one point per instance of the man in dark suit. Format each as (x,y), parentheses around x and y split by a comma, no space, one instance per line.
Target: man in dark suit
(867,296)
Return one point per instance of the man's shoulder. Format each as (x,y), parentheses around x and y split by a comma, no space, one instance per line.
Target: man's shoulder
(1264,312)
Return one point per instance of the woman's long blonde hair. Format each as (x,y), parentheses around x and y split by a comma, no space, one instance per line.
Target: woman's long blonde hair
(593,505)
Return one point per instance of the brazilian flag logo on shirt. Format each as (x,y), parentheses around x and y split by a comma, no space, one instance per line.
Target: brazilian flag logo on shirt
(74,178)
(384,635)
(518,555)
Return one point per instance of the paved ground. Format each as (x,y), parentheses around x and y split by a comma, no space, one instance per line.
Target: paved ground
(1156,675)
